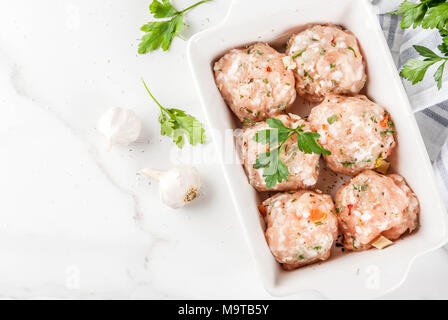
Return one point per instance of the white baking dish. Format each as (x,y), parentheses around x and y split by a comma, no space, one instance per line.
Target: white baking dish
(357,275)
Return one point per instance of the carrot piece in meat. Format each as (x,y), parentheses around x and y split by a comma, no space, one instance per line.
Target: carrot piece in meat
(262,210)
(385,121)
(317,215)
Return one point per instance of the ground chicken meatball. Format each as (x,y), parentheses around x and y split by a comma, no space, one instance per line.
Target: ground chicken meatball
(358,132)
(371,205)
(254,82)
(303,168)
(328,60)
(301,227)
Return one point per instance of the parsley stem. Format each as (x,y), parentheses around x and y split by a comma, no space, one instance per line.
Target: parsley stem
(284,141)
(297,131)
(192,6)
(155,100)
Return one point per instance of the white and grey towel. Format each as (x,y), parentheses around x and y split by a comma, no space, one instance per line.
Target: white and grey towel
(429,104)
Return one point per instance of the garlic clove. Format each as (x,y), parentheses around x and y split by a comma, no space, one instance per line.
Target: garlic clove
(120,127)
(177,186)
(381,242)
(383,166)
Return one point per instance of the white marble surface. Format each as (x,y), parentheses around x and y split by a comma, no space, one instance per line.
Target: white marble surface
(78,222)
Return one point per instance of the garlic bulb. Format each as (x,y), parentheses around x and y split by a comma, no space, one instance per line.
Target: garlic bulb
(177,186)
(119,126)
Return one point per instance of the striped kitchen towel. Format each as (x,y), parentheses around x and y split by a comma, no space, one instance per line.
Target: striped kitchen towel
(429,104)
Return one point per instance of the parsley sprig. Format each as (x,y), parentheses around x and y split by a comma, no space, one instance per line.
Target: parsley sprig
(177,124)
(274,170)
(161,33)
(428,14)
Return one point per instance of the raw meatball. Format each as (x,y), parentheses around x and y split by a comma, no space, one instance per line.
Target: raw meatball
(303,168)
(254,82)
(358,132)
(301,227)
(371,205)
(328,60)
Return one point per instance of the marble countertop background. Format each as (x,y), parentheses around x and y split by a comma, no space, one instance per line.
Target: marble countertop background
(79,222)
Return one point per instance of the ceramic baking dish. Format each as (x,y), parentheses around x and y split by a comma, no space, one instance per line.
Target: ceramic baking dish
(356,275)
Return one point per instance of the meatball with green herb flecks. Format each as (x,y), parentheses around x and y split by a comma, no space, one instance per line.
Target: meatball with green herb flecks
(301,227)
(302,168)
(254,82)
(327,60)
(373,205)
(358,132)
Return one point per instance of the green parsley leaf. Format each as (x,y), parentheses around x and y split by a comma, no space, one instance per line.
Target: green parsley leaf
(415,70)
(166,126)
(307,142)
(278,176)
(162,9)
(160,34)
(443,47)
(274,170)
(179,125)
(413,14)
(267,136)
(278,132)
(192,129)
(277,124)
(429,14)
(425,52)
(436,17)
(439,74)
(263,160)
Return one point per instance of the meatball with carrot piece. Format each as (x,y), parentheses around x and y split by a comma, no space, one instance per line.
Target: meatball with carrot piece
(358,132)
(254,82)
(301,227)
(374,209)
